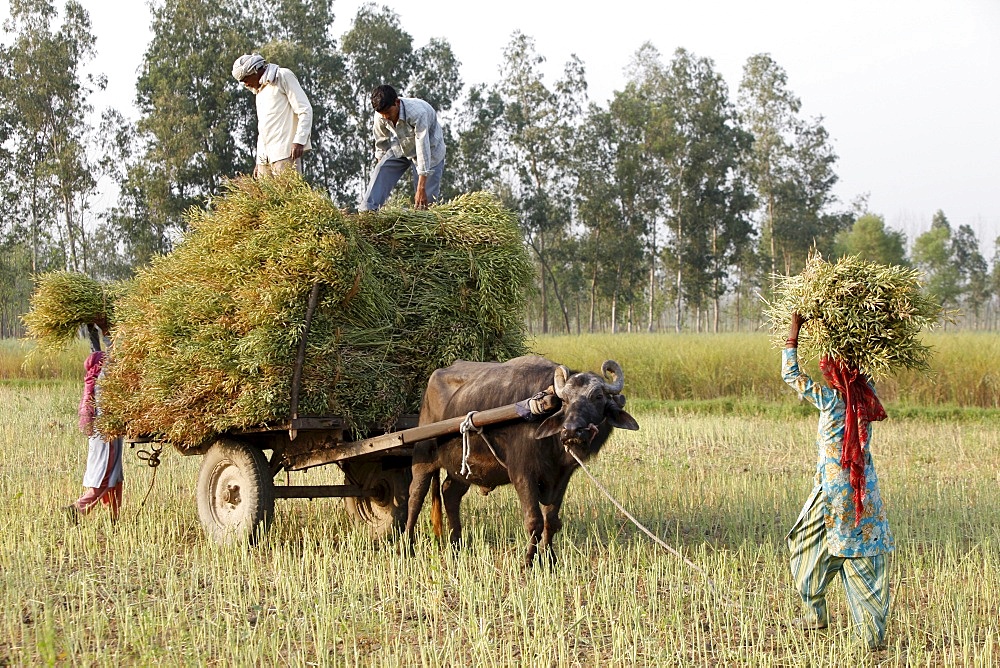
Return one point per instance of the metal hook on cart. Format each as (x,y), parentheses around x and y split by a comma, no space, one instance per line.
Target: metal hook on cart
(151,456)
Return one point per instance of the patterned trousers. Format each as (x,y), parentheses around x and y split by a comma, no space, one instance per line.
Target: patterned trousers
(866,579)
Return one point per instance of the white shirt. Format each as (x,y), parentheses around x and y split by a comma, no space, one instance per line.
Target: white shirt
(284,117)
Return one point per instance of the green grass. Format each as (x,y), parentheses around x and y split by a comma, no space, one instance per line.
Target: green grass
(17,362)
(965,371)
(701,372)
(723,488)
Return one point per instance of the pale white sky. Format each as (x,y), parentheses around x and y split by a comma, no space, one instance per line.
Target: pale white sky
(909,89)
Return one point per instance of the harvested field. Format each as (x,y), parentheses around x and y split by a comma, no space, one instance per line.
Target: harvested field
(722,488)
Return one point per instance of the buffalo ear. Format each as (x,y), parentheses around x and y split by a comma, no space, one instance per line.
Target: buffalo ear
(622,420)
(551,426)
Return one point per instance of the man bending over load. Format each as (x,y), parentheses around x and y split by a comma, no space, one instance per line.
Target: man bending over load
(407,135)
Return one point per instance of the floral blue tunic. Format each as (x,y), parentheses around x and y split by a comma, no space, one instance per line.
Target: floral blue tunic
(833,486)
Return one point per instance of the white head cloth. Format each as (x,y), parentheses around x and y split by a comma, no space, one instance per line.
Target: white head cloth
(247,65)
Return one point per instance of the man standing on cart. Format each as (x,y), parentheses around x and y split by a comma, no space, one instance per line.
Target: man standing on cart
(284,114)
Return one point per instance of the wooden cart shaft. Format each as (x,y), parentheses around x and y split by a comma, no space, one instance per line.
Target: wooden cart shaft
(402,438)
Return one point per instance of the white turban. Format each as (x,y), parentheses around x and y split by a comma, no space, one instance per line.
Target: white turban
(247,65)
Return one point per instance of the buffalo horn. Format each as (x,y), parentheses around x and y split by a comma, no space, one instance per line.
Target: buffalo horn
(612,368)
(559,379)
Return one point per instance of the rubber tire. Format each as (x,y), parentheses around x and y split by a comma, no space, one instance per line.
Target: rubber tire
(232,466)
(385,512)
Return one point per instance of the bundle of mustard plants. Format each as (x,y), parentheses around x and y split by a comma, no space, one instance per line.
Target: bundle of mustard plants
(867,314)
(206,341)
(63,301)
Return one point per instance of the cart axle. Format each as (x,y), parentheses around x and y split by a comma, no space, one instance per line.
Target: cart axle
(316,491)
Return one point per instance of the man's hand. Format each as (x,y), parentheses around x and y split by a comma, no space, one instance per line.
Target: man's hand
(297,151)
(420,199)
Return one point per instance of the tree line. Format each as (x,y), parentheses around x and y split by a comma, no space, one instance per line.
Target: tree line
(668,207)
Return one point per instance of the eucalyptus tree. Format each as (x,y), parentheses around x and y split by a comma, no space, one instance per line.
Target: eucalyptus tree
(196,127)
(955,271)
(804,198)
(791,166)
(768,110)
(44,97)
(994,283)
(704,151)
(869,238)
(614,194)
(538,134)
(473,146)
(637,114)
(619,175)
(934,254)
(973,270)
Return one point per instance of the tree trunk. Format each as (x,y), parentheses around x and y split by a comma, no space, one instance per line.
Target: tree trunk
(578,313)
(593,298)
(652,281)
(715,277)
(677,312)
(739,292)
(559,299)
(614,300)
(614,312)
(652,291)
(545,305)
(770,224)
(34,224)
(67,203)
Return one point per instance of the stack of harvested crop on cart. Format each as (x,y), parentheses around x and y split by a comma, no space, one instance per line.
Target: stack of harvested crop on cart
(207,338)
(867,314)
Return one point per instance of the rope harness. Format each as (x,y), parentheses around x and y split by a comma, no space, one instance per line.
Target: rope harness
(466,427)
(529,409)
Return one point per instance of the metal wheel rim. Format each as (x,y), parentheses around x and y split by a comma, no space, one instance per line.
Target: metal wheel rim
(229,505)
(381,495)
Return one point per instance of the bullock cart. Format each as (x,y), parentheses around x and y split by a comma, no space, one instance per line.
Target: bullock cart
(237,485)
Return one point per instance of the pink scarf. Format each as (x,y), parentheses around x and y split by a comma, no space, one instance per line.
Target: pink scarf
(88,408)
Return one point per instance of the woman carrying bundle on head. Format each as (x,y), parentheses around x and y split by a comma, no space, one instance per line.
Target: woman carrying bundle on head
(103,477)
(842,527)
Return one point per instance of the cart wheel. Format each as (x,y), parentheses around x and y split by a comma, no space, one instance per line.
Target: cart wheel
(235,493)
(384,510)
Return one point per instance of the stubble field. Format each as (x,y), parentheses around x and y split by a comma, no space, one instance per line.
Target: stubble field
(722,484)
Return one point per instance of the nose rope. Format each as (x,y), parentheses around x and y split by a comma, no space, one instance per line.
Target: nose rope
(656,539)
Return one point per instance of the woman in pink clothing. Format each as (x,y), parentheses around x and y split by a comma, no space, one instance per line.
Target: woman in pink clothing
(103,477)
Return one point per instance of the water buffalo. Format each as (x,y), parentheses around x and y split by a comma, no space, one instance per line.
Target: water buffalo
(532,456)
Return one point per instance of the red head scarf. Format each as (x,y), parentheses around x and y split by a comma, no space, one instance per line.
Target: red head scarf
(862,407)
(88,409)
